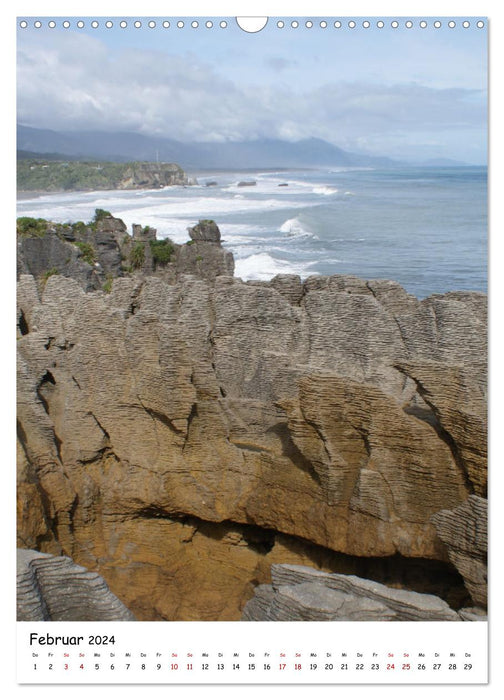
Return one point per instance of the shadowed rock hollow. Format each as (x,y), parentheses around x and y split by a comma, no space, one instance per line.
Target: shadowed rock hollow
(180,435)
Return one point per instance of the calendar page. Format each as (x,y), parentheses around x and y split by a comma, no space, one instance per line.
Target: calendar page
(251,348)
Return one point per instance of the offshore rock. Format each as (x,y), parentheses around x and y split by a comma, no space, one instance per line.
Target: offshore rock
(302,593)
(55,588)
(181,435)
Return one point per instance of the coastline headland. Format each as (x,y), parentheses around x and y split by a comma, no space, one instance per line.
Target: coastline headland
(41,175)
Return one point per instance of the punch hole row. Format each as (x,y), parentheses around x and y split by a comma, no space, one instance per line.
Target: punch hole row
(123,24)
(380,24)
(280,24)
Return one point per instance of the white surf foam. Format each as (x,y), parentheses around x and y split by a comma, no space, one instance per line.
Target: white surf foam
(302,184)
(295,229)
(206,207)
(135,208)
(325,190)
(262,266)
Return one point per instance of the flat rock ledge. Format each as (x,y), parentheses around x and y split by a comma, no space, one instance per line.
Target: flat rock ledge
(54,588)
(302,593)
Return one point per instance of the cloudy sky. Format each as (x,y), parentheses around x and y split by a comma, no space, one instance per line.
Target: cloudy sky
(406,93)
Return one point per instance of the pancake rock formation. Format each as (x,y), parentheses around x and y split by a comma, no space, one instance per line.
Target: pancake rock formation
(183,431)
(301,593)
(464,531)
(55,588)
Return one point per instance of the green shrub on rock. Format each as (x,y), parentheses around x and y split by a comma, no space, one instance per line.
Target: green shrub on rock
(101,214)
(162,251)
(30,227)
(87,252)
(79,228)
(137,255)
(49,273)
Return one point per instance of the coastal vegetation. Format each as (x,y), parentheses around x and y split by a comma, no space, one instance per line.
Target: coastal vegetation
(71,175)
(107,285)
(101,214)
(162,251)
(137,255)
(87,252)
(29,227)
(49,273)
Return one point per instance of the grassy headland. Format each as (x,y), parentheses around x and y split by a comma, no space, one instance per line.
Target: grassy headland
(56,176)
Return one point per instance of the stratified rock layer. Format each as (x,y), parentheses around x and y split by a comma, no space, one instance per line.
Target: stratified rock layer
(301,593)
(161,423)
(465,533)
(55,588)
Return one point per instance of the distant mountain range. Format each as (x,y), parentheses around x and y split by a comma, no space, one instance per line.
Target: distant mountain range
(125,146)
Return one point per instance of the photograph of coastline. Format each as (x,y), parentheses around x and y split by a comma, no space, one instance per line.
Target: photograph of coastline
(252,337)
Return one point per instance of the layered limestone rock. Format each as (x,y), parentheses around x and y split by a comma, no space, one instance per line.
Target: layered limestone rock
(465,533)
(203,256)
(88,253)
(180,436)
(301,593)
(42,257)
(55,588)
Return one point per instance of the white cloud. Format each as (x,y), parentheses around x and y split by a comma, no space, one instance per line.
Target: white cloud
(74,82)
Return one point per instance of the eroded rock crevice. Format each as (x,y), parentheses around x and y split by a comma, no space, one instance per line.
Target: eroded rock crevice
(225,561)
(23,324)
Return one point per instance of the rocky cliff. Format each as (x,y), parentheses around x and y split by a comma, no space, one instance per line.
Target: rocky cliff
(151,176)
(95,253)
(186,431)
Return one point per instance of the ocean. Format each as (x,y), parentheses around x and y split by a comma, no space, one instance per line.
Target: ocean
(425,228)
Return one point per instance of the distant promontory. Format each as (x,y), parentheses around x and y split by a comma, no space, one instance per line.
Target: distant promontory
(56,176)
